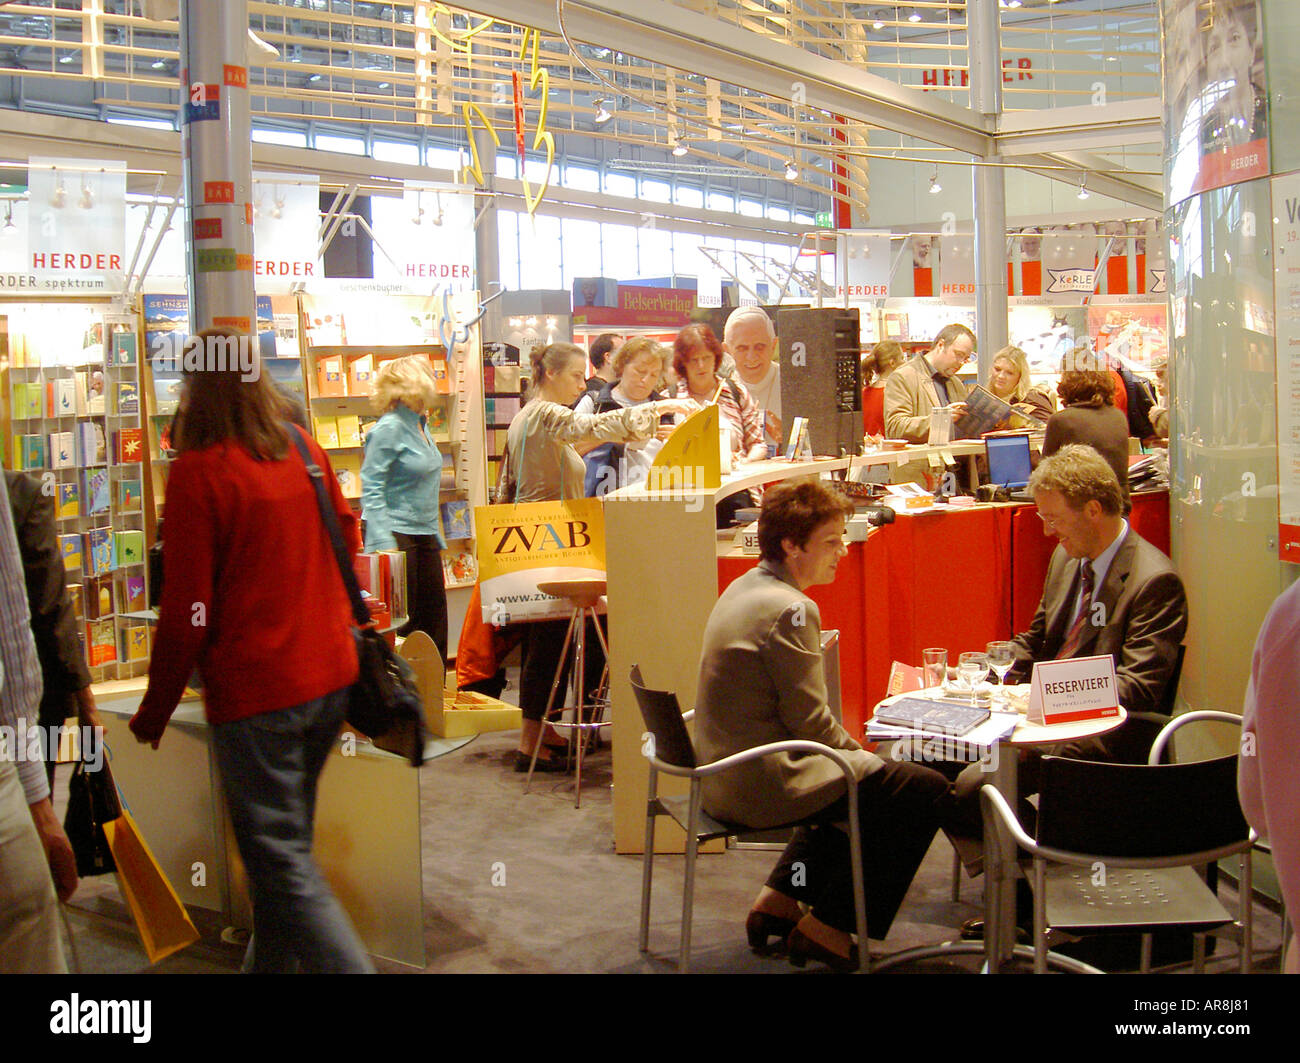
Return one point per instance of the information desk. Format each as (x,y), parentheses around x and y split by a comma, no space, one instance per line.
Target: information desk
(367,833)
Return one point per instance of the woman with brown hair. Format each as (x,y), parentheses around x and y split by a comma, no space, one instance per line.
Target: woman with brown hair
(885,357)
(541,465)
(1090,417)
(253,597)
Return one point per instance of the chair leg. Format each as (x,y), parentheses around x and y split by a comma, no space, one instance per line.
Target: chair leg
(579,688)
(550,701)
(1040,916)
(647,864)
(1246,897)
(688,890)
(1198,953)
(1144,965)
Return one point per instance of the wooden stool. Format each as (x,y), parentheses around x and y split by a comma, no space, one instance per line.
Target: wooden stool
(584,597)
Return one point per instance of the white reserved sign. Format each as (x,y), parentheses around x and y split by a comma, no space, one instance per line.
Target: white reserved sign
(1077,688)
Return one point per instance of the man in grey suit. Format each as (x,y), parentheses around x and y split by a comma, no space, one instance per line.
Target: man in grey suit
(762,680)
(926,382)
(1108,591)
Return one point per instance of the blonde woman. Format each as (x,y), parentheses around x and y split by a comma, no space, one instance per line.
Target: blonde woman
(1009,381)
(400,481)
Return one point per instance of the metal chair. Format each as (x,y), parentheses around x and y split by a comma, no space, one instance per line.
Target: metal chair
(1157,822)
(668,748)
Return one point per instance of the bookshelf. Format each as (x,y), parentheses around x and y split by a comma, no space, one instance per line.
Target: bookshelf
(73,386)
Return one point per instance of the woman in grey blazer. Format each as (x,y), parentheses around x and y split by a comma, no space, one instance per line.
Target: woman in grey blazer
(762,680)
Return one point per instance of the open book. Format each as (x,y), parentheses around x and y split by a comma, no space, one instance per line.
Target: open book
(985,412)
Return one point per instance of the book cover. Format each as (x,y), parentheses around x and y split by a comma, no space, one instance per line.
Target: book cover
(459,566)
(437,423)
(985,412)
(327,432)
(63,452)
(130,595)
(97,552)
(130,548)
(134,642)
(76,600)
(88,439)
(457,521)
(441,378)
(166,394)
(94,490)
(331,380)
(101,642)
(397,582)
(361,377)
(129,496)
(33,452)
(65,396)
(49,399)
(129,445)
(98,594)
(28,400)
(505,378)
(349,430)
(70,549)
(69,501)
(79,393)
(128,398)
(124,350)
(347,467)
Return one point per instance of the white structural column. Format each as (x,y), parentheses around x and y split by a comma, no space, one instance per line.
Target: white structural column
(985,59)
(216,139)
(487,242)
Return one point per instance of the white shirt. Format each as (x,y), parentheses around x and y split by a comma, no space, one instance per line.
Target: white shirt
(767,393)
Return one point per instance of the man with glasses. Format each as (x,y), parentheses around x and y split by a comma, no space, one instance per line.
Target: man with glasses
(926,382)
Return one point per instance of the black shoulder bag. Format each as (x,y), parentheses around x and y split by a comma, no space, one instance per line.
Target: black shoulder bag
(384,703)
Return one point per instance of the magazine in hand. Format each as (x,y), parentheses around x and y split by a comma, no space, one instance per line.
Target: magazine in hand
(985,412)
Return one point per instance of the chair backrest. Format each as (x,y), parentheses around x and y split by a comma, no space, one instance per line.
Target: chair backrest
(663,719)
(1170,701)
(1139,810)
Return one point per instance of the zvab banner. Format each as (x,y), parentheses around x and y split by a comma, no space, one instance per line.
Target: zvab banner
(520,546)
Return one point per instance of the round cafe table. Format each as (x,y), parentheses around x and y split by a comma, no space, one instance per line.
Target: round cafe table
(1000,864)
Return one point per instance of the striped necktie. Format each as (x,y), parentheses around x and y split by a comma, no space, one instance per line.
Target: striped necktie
(1075,636)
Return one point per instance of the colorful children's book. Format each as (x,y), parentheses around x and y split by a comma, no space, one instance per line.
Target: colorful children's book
(327,432)
(69,501)
(128,445)
(457,522)
(94,490)
(63,451)
(96,398)
(97,555)
(76,599)
(130,548)
(88,438)
(130,595)
(124,350)
(128,398)
(65,397)
(361,376)
(70,549)
(135,642)
(99,597)
(33,456)
(101,642)
(128,496)
(349,430)
(331,378)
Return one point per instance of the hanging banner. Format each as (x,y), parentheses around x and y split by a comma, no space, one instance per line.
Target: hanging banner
(957,269)
(1069,261)
(76,226)
(1286,281)
(286,231)
(1216,95)
(868,258)
(432,243)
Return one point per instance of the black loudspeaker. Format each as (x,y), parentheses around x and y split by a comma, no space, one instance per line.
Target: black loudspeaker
(821,376)
(352,251)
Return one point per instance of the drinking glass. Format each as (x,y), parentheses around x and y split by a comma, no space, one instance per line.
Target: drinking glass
(973,667)
(1001,655)
(936,666)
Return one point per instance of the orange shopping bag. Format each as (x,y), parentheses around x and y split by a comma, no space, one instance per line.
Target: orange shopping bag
(164,924)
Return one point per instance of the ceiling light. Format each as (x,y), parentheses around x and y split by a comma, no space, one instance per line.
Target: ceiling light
(66,57)
(383,85)
(9,226)
(878,24)
(679,149)
(158,64)
(87,198)
(602,115)
(935,186)
(791,171)
(915,16)
(1083,187)
(314,78)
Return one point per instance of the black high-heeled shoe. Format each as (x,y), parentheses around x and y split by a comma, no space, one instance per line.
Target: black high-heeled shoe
(801,948)
(759,926)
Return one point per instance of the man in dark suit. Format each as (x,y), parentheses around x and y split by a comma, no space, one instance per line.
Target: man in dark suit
(1108,591)
(54,623)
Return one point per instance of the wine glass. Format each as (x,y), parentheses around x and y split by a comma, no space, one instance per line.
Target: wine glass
(973,667)
(1001,655)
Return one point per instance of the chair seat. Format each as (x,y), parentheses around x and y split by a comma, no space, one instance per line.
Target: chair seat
(709,828)
(1133,900)
(581,593)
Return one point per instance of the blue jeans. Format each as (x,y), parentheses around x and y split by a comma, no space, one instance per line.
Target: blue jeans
(269,765)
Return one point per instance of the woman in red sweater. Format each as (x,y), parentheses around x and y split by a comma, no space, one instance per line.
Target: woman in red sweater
(253,597)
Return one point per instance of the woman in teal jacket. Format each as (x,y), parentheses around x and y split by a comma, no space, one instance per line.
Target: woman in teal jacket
(400,482)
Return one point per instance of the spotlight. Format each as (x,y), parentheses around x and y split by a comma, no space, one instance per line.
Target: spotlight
(915,16)
(158,64)
(602,115)
(1083,187)
(9,225)
(791,171)
(383,85)
(878,24)
(679,149)
(87,198)
(66,57)
(59,196)
(314,78)
(935,186)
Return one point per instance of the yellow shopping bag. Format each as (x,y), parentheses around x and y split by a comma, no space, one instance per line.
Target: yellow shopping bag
(164,924)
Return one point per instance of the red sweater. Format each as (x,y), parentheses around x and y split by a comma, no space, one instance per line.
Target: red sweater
(873,411)
(251,591)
